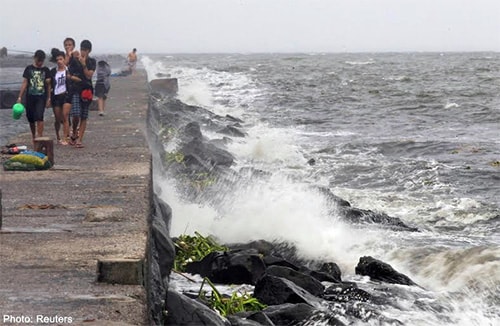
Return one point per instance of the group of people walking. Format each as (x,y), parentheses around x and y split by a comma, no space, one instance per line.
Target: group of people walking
(67,88)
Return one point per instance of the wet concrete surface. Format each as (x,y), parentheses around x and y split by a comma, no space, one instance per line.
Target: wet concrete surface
(93,204)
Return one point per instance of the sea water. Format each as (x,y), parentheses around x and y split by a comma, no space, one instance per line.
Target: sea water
(413,135)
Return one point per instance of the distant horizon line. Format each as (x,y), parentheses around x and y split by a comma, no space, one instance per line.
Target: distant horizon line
(124,53)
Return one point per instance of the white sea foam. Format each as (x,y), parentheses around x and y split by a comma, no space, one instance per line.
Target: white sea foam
(265,145)
(276,210)
(457,268)
(362,63)
(450,105)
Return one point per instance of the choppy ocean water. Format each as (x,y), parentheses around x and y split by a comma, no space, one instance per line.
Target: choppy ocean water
(414,135)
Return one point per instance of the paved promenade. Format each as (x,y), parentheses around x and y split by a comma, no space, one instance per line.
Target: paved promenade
(93,204)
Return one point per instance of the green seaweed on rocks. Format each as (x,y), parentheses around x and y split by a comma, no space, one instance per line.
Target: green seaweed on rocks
(177,157)
(228,305)
(193,248)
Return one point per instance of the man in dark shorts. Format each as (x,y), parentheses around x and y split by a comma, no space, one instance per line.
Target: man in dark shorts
(81,68)
(36,80)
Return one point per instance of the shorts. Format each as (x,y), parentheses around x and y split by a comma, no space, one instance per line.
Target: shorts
(69,97)
(35,107)
(79,108)
(101,90)
(58,100)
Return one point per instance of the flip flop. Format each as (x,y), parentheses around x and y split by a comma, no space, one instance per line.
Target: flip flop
(79,145)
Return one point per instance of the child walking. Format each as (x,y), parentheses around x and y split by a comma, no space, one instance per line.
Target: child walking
(37,82)
(59,76)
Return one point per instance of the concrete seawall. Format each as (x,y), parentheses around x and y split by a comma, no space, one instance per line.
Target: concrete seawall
(85,219)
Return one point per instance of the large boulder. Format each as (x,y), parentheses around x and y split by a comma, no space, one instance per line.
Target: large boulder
(289,314)
(308,283)
(272,290)
(164,86)
(331,197)
(160,259)
(380,271)
(191,131)
(260,317)
(346,292)
(244,267)
(186,311)
(363,216)
(272,260)
(231,131)
(206,155)
(327,272)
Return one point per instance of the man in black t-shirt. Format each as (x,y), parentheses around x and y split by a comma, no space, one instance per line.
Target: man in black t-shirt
(36,80)
(81,68)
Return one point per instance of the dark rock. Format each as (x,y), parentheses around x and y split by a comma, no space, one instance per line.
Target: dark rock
(231,131)
(278,261)
(323,277)
(160,260)
(261,318)
(289,314)
(324,318)
(160,231)
(332,197)
(284,250)
(221,142)
(380,271)
(308,283)
(311,161)
(328,272)
(185,311)
(361,216)
(240,321)
(233,119)
(165,86)
(229,267)
(346,292)
(263,247)
(206,155)
(272,290)
(191,131)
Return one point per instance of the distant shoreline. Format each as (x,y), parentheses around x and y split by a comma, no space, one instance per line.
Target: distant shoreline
(23,60)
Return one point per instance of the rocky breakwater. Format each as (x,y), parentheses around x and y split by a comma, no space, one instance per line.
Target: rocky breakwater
(294,290)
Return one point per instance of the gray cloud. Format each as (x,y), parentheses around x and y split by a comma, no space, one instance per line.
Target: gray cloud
(254,25)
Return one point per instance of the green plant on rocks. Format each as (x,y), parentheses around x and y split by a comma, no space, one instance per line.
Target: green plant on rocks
(228,305)
(177,157)
(193,248)
(168,133)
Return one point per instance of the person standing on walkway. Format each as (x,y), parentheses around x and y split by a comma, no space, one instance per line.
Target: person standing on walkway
(36,81)
(59,78)
(132,60)
(81,68)
(69,47)
(102,85)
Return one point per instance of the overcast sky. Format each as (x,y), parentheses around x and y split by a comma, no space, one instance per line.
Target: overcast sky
(200,26)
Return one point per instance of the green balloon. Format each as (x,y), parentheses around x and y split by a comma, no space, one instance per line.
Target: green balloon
(17,111)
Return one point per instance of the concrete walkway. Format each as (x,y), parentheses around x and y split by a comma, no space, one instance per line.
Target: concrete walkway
(92,205)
